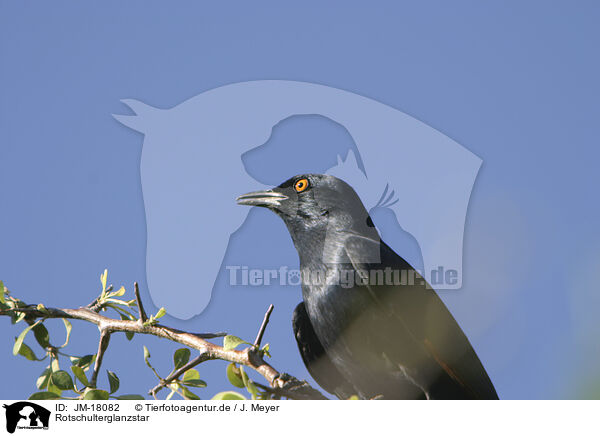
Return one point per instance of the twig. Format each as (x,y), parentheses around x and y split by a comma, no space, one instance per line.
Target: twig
(263,326)
(94,305)
(138,299)
(176,373)
(102,346)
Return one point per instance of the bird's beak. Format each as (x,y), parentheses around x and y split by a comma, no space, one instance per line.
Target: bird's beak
(268,198)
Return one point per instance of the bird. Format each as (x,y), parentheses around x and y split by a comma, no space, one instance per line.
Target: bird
(369,324)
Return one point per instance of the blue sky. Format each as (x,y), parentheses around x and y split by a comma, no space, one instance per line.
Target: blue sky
(515,83)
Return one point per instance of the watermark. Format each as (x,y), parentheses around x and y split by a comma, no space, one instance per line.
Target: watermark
(240,275)
(191,172)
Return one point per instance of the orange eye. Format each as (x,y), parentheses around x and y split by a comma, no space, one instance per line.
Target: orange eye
(301,185)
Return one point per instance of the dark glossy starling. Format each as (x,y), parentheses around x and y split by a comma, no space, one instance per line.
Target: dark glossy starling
(369,325)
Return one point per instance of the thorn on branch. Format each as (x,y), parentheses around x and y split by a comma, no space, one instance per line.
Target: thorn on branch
(138,299)
(263,327)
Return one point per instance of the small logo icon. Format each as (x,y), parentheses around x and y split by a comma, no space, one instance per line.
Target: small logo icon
(26,415)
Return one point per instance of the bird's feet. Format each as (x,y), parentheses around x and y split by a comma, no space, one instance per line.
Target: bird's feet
(282,379)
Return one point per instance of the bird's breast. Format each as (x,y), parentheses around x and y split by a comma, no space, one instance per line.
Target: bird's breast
(332,302)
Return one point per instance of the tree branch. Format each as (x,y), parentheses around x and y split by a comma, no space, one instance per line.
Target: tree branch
(250,357)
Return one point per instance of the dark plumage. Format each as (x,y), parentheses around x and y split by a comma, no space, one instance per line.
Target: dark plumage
(359,330)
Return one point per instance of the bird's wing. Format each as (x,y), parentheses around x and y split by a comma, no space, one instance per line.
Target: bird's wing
(315,358)
(418,309)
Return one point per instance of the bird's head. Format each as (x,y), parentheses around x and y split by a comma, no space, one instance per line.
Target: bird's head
(313,202)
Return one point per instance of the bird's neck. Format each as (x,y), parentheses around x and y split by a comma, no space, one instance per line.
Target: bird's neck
(312,245)
(321,242)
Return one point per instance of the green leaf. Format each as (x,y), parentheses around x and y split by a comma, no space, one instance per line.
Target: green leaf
(45,395)
(181,357)
(96,394)
(52,388)
(68,328)
(115,301)
(84,362)
(230,342)
(244,376)
(130,397)
(192,378)
(21,338)
(161,312)
(42,381)
(113,380)
(54,365)
(2,300)
(147,356)
(189,394)
(234,376)
(252,389)
(103,280)
(191,374)
(250,386)
(27,352)
(118,293)
(195,383)
(228,395)
(62,380)
(80,374)
(150,321)
(41,335)
(266,350)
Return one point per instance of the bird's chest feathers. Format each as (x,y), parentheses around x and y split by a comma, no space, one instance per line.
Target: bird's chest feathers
(331,307)
(328,277)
